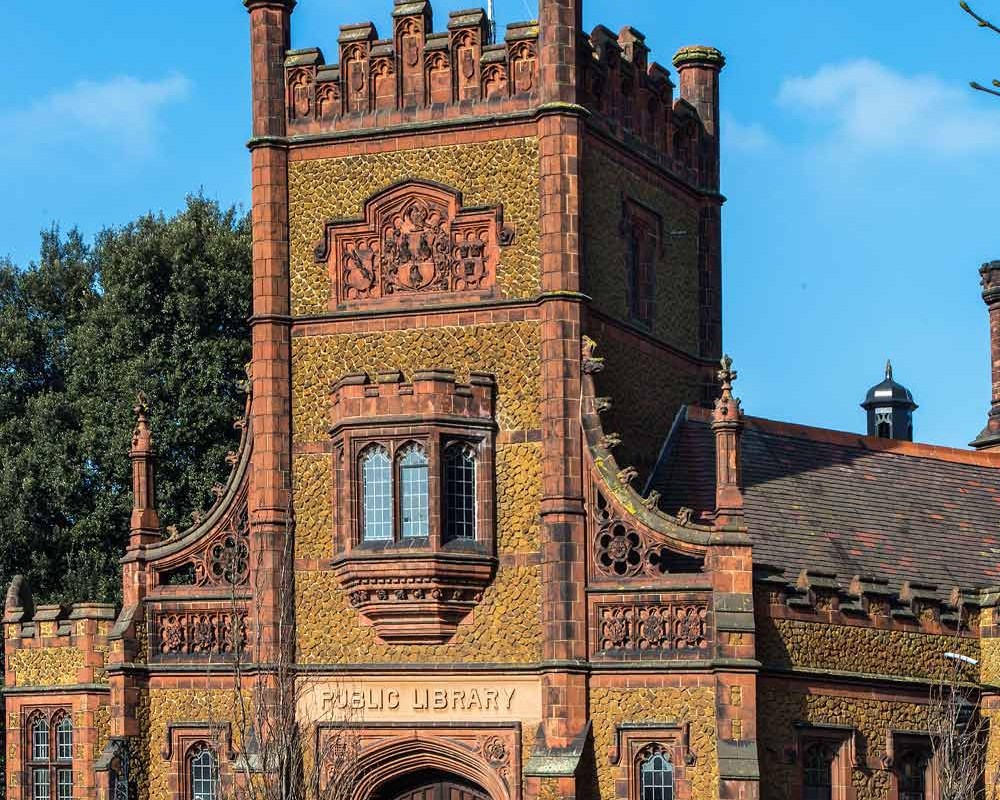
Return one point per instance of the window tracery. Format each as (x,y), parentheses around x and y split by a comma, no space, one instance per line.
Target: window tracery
(50,755)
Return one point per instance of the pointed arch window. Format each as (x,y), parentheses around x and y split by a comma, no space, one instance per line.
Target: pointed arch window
(414,511)
(376,477)
(817,774)
(656,775)
(913,776)
(203,773)
(50,756)
(460,493)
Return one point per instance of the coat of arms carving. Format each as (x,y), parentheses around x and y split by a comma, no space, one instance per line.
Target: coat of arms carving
(414,238)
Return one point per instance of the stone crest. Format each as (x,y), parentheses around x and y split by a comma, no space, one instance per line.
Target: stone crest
(414,238)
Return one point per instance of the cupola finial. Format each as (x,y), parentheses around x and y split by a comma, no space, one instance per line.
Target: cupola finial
(890,409)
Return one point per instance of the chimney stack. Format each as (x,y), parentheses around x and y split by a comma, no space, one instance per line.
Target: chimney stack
(989,274)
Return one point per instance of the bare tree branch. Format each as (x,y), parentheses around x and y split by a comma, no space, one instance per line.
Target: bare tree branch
(981,21)
(980,88)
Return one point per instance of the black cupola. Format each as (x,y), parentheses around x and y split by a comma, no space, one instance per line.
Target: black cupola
(890,409)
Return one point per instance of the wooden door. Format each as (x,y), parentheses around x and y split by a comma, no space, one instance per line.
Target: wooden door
(431,785)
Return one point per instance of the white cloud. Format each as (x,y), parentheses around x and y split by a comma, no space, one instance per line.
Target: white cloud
(743,137)
(123,112)
(869,108)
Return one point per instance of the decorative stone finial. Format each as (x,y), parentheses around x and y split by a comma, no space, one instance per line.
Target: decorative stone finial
(727,407)
(145,523)
(142,437)
(727,423)
(590,364)
(699,54)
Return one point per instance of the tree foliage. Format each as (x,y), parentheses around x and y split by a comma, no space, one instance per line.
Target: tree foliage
(159,306)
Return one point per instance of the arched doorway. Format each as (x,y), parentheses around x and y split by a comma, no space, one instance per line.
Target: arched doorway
(430,784)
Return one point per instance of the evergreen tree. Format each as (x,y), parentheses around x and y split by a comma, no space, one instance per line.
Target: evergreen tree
(158,306)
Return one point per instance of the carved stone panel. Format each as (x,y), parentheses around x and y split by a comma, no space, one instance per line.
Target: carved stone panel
(415,238)
(197,633)
(653,629)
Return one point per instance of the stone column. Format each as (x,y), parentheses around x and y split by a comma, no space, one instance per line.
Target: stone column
(270,415)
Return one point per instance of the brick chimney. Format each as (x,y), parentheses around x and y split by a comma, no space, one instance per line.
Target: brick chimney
(989,437)
(727,424)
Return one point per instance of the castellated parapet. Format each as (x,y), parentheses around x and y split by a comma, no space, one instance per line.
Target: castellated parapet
(420,76)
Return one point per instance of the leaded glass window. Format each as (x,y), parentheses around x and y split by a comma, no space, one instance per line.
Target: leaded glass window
(40,740)
(204,775)
(913,776)
(40,788)
(817,776)
(460,493)
(413,487)
(656,777)
(64,784)
(376,476)
(64,739)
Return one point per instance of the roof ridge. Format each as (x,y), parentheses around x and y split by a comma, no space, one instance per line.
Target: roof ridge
(861,442)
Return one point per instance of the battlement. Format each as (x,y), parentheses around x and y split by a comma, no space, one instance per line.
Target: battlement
(357,399)
(54,645)
(632,99)
(871,601)
(415,74)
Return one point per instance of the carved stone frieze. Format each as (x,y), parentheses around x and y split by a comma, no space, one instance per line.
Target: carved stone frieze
(200,633)
(415,238)
(656,627)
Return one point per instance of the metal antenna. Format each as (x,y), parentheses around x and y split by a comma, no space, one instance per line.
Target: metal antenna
(493,22)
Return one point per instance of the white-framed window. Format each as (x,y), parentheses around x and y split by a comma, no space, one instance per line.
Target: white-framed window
(414,512)
(204,773)
(656,775)
(376,479)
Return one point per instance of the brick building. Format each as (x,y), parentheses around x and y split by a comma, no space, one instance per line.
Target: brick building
(494,493)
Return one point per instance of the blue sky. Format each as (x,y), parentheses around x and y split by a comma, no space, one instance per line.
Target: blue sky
(860,170)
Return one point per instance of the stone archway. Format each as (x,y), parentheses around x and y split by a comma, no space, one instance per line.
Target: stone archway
(424,764)
(430,784)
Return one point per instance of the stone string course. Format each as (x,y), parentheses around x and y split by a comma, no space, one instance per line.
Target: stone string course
(490,173)
(509,351)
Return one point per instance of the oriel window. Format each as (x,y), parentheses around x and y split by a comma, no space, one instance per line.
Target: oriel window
(414,509)
(376,478)
(460,493)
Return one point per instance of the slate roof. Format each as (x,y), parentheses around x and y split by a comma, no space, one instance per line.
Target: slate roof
(849,504)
